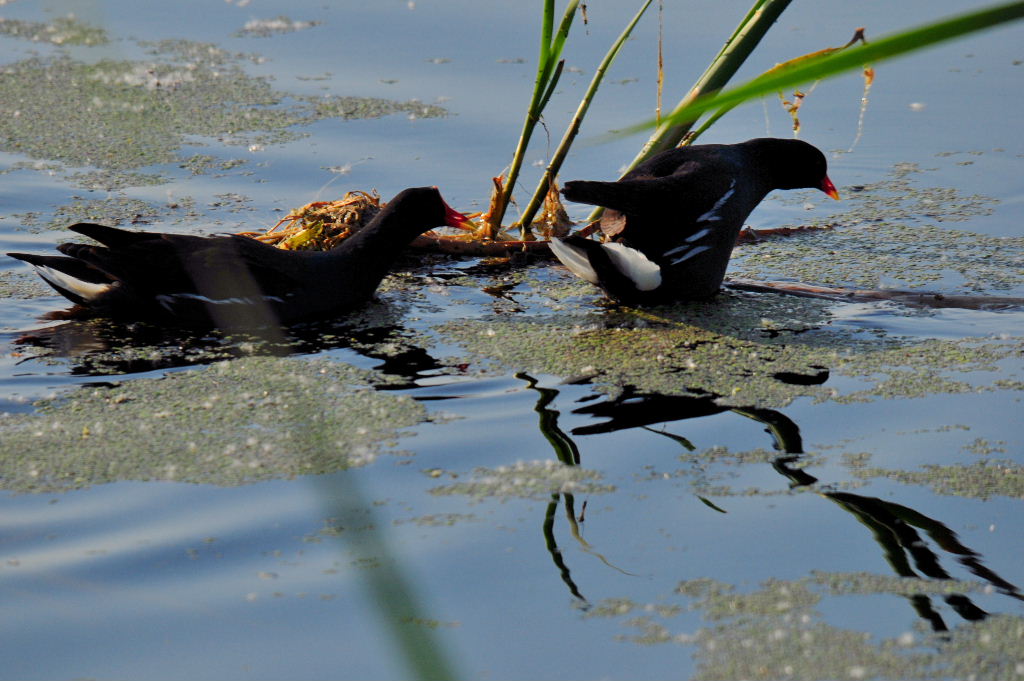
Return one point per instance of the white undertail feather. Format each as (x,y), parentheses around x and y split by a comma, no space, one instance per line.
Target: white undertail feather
(65,282)
(644,274)
(575,259)
(635,265)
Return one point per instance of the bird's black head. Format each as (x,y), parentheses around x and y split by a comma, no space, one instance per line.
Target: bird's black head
(426,207)
(792,164)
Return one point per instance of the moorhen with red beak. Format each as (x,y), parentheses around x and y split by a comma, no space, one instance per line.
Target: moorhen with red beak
(233,280)
(673,220)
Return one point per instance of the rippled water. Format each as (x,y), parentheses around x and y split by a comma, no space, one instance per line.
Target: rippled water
(863,524)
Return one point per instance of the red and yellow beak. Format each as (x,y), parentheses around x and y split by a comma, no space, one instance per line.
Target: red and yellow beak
(829,188)
(454,218)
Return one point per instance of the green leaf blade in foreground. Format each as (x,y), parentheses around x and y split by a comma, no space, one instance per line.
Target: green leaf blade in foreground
(830,65)
(737,49)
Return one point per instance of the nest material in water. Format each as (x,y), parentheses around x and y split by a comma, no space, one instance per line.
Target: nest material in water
(322,225)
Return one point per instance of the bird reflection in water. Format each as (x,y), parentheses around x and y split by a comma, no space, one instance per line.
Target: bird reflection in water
(896,528)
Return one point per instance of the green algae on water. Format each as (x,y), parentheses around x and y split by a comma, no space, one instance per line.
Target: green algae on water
(872,255)
(22,284)
(235,422)
(978,480)
(349,108)
(889,233)
(264,28)
(112,210)
(118,209)
(109,180)
(120,115)
(708,469)
(777,631)
(201,164)
(438,519)
(744,349)
(526,480)
(66,30)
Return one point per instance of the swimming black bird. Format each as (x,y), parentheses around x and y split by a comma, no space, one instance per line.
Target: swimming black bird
(673,220)
(232,280)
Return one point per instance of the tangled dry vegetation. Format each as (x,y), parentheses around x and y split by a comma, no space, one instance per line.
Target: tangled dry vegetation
(322,225)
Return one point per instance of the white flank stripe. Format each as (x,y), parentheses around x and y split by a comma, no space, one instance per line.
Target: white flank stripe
(167,300)
(687,256)
(575,259)
(689,242)
(83,289)
(699,235)
(675,250)
(712,214)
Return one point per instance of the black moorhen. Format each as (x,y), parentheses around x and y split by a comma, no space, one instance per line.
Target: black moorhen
(232,281)
(673,220)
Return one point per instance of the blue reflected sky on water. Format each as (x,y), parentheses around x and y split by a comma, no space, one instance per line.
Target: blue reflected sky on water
(163,580)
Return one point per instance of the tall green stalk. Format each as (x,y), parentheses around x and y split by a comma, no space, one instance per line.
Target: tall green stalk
(672,128)
(574,125)
(549,69)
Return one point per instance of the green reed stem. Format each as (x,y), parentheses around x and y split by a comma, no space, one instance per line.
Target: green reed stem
(574,126)
(549,69)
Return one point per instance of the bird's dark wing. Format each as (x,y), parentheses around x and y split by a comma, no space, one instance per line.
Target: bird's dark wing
(681,198)
(675,188)
(701,159)
(271,266)
(152,263)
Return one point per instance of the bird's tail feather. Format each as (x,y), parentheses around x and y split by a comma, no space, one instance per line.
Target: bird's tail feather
(71,278)
(607,264)
(644,273)
(575,258)
(587,191)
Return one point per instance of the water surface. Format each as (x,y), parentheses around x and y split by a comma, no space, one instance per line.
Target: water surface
(548,488)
